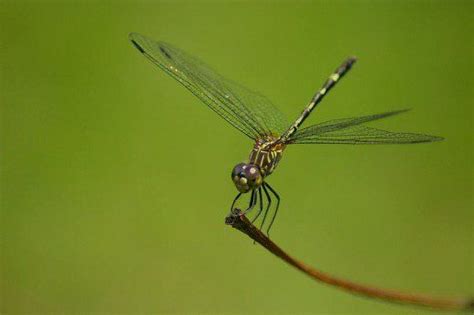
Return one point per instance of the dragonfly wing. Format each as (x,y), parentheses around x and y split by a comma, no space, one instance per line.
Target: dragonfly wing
(352,131)
(249,112)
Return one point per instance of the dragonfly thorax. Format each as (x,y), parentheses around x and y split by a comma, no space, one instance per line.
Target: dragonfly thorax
(266,154)
(246,177)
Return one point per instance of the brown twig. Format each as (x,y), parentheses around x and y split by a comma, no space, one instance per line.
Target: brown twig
(237,220)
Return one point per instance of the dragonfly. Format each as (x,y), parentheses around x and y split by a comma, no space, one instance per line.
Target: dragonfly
(257,118)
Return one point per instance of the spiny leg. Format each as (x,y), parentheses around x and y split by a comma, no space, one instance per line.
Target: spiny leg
(317,98)
(260,209)
(235,200)
(269,199)
(276,209)
(253,202)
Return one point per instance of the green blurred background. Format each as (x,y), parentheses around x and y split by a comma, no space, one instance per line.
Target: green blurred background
(115,179)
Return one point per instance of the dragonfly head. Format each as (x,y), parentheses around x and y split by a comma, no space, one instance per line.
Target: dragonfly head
(246,177)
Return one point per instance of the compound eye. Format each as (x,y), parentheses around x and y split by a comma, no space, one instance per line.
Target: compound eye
(246,177)
(252,173)
(238,170)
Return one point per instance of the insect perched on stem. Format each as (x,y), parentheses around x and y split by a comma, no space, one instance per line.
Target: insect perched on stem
(257,118)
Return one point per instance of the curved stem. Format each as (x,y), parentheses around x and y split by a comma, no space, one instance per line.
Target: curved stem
(240,222)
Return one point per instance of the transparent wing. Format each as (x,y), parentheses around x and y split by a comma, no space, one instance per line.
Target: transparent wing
(351,131)
(250,112)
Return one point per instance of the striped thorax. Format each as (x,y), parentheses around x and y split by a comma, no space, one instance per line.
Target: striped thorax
(266,154)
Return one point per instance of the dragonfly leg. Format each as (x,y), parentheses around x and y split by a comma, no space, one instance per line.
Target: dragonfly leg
(276,209)
(260,208)
(235,200)
(252,203)
(269,199)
